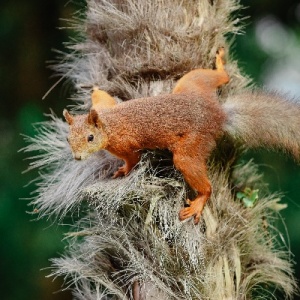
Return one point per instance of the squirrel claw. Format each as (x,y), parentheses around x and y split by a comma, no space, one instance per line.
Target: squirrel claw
(122,171)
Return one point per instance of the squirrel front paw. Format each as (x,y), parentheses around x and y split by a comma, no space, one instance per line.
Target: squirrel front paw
(122,171)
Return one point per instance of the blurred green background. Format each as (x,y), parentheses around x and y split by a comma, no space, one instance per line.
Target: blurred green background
(268,52)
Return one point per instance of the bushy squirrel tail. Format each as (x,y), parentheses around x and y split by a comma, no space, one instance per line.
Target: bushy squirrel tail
(264,119)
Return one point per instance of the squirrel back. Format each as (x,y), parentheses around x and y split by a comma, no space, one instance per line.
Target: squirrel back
(161,121)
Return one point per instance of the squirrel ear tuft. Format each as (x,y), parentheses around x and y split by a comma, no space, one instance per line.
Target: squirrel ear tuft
(93,118)
(68,117)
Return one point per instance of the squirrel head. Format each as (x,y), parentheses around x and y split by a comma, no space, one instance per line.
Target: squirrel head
(86,134)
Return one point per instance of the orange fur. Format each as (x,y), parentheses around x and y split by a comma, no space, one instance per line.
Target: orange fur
(187,122)
(101,99)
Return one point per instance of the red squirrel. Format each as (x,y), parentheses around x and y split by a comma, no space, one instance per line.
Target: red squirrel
(187,122)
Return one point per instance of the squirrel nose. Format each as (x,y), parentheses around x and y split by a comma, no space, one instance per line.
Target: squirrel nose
(77,156)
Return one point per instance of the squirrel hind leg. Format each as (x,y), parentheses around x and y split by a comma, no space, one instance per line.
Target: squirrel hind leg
(194,172)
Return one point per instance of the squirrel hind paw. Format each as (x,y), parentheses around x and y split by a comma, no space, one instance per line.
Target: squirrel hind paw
(188,212)
(220,59)
(194,209)
(221,51)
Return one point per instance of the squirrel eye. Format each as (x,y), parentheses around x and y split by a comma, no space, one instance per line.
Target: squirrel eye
(90,138)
